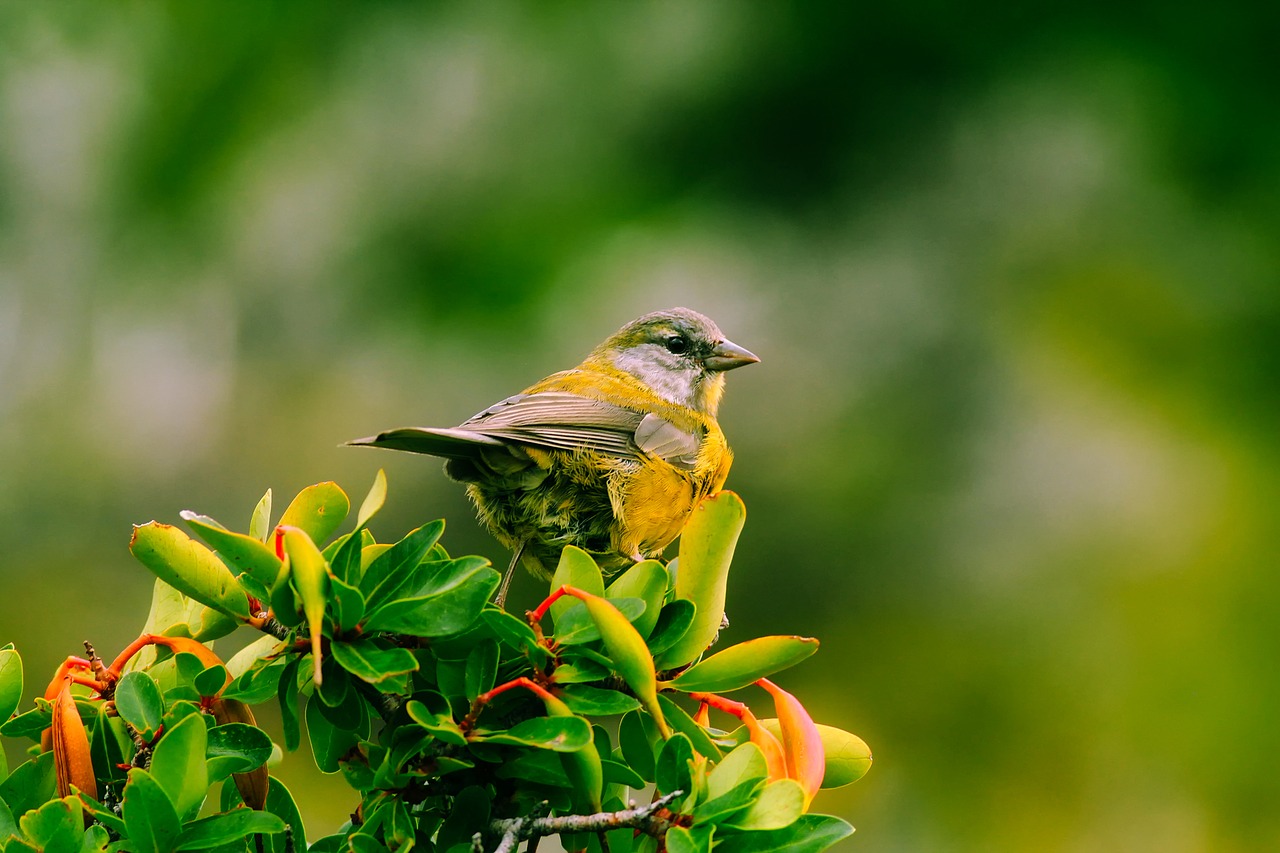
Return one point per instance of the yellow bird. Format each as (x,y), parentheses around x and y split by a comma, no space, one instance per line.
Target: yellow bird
(610,456)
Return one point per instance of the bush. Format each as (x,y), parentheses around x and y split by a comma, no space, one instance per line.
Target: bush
(459,726)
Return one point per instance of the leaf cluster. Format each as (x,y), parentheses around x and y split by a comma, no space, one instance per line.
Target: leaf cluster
(458,725)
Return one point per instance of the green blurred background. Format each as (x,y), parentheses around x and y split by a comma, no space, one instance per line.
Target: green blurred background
(1011,451)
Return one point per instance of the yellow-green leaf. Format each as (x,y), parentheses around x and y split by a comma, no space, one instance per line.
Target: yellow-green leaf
(189,567)
(706,552)
(318,510)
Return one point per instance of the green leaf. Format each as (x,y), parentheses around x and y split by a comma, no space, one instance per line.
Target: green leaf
(706,552)
(348,604)
(249,657)
(811,833)
(210,832)
(680,721)
(260,521)
(103,815)
(210,681)
(596,701)
(311,580)
(637,734)
(576,569)
(10,683)
(672,768)
(243,553)
(56,827)
(693,840)
(778,805)
(388,569)
(30,785)
(281,803)
(673,623)
(514,632)
(576,669)
(439,614)
(436,718)
(138,701)
(723,805)
(575,624)
(617,773)
(317,510)
(236,748)
(630,656)
(149,815)
(328,743)
(744,664)
(175,615)
(366,660)
(482,668)
(560,734)
(110,743)
(469,815)
(374,500)
(647,581)
(177,764)
(744,763)
(189,567)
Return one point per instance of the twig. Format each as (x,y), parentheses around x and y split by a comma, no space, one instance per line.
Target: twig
(652,819)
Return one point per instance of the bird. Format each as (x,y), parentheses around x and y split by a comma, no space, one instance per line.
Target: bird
(610,456)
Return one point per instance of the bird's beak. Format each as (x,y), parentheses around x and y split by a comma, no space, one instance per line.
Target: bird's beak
(727,355)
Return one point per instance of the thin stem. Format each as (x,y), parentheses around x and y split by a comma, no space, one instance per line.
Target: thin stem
(652,819)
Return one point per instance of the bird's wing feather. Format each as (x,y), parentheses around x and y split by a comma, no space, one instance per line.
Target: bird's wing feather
(552,420)
(557,420)
(449,443)
(659,437)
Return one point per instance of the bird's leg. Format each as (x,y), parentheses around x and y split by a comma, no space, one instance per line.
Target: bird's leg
(501,597)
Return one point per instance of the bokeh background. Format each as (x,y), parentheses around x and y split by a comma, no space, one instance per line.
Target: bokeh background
(1012,448)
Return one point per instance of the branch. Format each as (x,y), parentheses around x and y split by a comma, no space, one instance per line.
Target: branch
(652,819)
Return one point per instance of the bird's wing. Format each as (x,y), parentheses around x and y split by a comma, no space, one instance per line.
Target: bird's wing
(550,420)
(447,443)
(556,420)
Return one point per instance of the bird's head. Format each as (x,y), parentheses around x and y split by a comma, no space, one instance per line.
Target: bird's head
(680,354)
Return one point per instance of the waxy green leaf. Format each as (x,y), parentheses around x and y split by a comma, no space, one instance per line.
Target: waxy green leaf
(576,569)
(232,826)
(189,567)
(149,815)
(58,825)
(777,806)
(138,702)
(596,701)
(706,553)
(236,748)
(371,662)
(374,500)
(560,734)
(311,580)
(243,553)
(451,607)
(629,654)
(810,833)
(317,510)
(647,581)
(260,520)
(576,625)
(10,683)
(178,764)
(744,664)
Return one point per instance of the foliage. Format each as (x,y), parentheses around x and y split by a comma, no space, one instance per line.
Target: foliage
(459,726)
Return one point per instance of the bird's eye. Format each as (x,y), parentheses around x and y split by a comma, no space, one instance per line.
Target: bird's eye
(678,344)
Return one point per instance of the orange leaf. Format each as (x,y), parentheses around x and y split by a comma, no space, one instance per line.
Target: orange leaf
(801,741)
